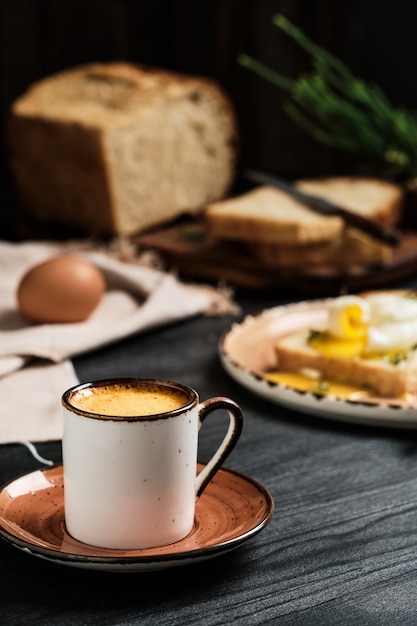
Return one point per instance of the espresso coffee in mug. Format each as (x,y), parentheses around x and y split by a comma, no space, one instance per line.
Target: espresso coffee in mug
(130,460)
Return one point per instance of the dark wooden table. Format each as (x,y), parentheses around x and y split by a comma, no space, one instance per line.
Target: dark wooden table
(341,547)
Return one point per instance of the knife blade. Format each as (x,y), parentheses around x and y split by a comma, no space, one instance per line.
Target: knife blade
(390,236)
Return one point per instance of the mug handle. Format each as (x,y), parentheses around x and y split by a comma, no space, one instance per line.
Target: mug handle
(229,440)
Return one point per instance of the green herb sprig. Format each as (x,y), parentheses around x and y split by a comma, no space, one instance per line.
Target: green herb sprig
(345,112)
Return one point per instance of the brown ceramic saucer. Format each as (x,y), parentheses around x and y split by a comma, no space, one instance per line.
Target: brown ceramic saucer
(232,509)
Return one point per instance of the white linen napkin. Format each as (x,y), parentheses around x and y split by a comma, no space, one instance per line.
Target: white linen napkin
(35,365)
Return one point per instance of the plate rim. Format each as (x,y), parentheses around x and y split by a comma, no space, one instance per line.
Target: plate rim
(330,404)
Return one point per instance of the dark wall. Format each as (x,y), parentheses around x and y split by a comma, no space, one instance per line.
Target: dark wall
(204,37)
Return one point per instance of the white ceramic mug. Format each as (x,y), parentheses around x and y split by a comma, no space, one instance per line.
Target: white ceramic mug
(130,457)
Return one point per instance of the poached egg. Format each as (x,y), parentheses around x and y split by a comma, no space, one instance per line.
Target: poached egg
(381,323)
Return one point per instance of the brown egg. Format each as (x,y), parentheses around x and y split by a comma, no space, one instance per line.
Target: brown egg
(62,289)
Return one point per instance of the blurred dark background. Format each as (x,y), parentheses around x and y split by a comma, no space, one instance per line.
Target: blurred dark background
(375,39)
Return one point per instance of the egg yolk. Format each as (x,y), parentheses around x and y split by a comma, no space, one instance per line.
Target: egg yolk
(351,339)
(351,323)
(303,382)
(331,346)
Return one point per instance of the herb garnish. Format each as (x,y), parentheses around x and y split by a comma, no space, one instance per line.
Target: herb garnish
(313,334)
(345,112)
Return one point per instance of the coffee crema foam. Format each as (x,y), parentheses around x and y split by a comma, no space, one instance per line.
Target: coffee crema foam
(127,400)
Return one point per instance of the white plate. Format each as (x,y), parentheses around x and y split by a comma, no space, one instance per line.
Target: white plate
(232,509)
(247,353)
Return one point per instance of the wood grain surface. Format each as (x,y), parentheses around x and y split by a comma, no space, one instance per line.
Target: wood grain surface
(340,549)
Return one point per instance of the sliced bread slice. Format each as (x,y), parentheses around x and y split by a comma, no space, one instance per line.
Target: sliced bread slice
(269,215)
(353,247)
(374,198)
(266,214)
(386,378)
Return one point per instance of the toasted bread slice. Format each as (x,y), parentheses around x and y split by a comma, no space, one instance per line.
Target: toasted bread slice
(353,247)
(385,378)
(269,215)
(374,198)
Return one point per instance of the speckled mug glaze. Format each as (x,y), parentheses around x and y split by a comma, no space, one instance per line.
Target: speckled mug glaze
(130,481)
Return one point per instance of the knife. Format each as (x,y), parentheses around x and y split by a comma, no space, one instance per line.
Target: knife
(323,206)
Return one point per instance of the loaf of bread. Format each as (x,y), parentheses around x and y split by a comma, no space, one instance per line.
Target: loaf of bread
(117,148)
(283,233)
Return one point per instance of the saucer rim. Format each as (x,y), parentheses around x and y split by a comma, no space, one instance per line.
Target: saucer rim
(138,561)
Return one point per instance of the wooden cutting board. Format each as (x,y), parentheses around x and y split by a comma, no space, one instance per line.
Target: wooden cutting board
(186,247)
